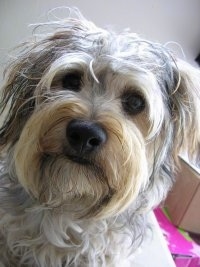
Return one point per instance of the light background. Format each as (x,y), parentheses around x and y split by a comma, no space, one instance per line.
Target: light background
(157,20)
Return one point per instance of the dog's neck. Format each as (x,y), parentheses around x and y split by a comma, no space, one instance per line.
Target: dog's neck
(44,235)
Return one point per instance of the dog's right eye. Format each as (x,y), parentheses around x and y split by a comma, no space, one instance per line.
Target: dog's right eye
(72,81)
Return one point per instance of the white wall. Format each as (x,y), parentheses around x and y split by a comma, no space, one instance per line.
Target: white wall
(159,20)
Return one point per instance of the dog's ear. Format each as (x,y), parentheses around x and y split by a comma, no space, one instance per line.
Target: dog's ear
(185,109)
(16,103)
(21,79)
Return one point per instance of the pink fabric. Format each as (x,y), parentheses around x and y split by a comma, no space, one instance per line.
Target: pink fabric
(187,262)
(185,251)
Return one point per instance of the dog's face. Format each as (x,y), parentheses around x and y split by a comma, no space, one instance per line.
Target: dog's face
(96,119)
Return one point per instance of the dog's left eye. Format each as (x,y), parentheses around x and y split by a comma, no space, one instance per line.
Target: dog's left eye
(133,103)
(72,81)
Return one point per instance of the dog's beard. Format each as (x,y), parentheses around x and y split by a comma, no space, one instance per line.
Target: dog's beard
(102,184)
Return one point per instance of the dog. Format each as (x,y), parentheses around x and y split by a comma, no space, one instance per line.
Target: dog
(93,123)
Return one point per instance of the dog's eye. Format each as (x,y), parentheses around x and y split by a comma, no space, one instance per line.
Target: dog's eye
(72,81)
(133,103)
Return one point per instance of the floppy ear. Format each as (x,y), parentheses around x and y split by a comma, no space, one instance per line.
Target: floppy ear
(16,103)
(185,104)
(23,76)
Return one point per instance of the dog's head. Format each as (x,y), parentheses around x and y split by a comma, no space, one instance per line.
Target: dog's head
(95,119)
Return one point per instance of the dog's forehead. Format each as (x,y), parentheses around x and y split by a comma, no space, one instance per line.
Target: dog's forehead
(105,44)
(122,53)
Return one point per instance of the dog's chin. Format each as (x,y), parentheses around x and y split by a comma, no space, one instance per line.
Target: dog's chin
(75,185)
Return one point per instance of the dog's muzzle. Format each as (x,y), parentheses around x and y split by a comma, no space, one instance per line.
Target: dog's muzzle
(84,137)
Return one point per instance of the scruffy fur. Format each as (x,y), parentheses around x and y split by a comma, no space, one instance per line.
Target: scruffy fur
(57,210)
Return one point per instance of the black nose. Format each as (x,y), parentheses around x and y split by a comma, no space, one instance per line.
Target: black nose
(85,136)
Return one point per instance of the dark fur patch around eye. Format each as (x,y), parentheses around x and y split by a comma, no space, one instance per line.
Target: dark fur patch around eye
(133,103)
(72,81)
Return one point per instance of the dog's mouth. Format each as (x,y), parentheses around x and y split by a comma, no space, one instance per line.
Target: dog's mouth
(79,159)
(90,164)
